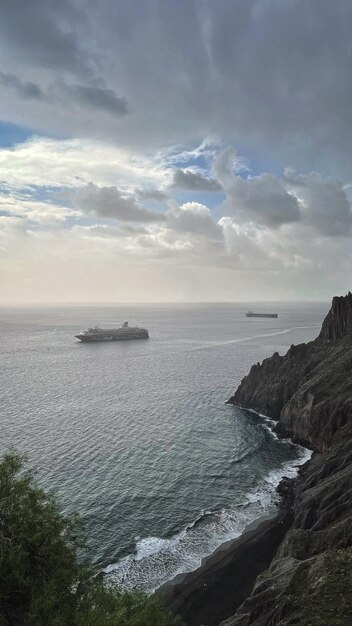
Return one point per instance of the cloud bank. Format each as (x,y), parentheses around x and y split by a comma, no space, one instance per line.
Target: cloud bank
(203,147)
(192,181)
(110,203)
(266,76)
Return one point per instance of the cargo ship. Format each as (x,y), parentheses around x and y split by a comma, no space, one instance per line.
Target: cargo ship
(121,333)
(252,314)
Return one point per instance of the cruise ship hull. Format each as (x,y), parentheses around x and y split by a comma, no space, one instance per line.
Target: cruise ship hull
(90,339)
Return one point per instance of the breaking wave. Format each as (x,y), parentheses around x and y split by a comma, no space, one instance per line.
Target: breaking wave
(156,560)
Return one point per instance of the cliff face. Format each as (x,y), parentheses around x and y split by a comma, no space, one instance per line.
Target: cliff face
(309,581)
(306,551)
(309,389)
(338,322)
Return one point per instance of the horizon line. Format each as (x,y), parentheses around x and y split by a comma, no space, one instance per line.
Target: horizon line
(159,302)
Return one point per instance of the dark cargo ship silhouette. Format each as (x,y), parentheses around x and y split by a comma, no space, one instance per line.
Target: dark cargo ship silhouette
(252,314)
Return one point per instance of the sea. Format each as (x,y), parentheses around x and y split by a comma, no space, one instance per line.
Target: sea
(137,437)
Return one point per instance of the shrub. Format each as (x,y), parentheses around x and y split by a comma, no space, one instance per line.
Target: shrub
(42,580)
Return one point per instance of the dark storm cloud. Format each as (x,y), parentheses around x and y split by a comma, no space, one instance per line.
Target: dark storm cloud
(24,89)
(185,179)
(286,63)
(109,202)
(94,97)
(273,77)
(44,32)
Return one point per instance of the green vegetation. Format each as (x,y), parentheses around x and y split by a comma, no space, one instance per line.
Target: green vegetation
(42,580)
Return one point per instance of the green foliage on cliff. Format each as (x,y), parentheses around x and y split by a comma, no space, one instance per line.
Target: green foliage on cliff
(42,581)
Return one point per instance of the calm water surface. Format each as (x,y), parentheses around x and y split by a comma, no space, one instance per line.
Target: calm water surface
(137,437)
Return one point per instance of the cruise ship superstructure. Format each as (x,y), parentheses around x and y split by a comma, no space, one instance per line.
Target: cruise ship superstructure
(122,333)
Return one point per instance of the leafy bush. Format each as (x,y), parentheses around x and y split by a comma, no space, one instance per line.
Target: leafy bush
(42,581)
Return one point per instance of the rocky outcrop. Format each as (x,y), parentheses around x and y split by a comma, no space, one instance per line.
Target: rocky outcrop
(309,389)
(338,322)
(304,556)
(309,582)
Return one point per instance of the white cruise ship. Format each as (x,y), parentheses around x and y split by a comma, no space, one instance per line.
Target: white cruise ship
(122,333)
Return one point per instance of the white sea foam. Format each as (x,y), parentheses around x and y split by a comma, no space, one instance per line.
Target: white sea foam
(267,418)
(157,559)
(267,428)
(266,493)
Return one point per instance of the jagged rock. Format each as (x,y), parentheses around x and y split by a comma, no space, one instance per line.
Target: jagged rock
(285,489)
(338,322)
(309,389)
(309,582)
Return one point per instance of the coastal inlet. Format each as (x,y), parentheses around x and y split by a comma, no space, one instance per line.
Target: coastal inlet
(136,435)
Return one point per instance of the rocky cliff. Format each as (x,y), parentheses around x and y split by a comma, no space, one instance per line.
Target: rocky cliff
(309,389)
(303,555)
(309,581)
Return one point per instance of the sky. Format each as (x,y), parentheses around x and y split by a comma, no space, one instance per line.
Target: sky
(175,150)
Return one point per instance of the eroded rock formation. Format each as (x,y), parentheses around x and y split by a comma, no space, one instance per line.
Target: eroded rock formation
(309,581)
(309,389)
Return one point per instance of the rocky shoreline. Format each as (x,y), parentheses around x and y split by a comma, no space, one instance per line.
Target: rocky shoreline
(309,580)
(295,568)
(215,590)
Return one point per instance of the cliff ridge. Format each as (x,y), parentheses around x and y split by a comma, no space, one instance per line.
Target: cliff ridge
(309,392)
(309,389)
(309,581)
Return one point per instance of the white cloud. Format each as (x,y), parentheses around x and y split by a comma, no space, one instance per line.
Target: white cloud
(270,228)
(75,163)
(35,210)
(157,261)
(319,203)
(192,217)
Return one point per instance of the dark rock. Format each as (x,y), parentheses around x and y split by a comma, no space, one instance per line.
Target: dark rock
(309,389)
(286,491)
(309,582)
(307,579)
(217,588)
(338,322)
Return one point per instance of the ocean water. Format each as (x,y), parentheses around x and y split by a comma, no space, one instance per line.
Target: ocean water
(137,437)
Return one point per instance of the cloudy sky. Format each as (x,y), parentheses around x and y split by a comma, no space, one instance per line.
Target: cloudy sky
(175,150)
